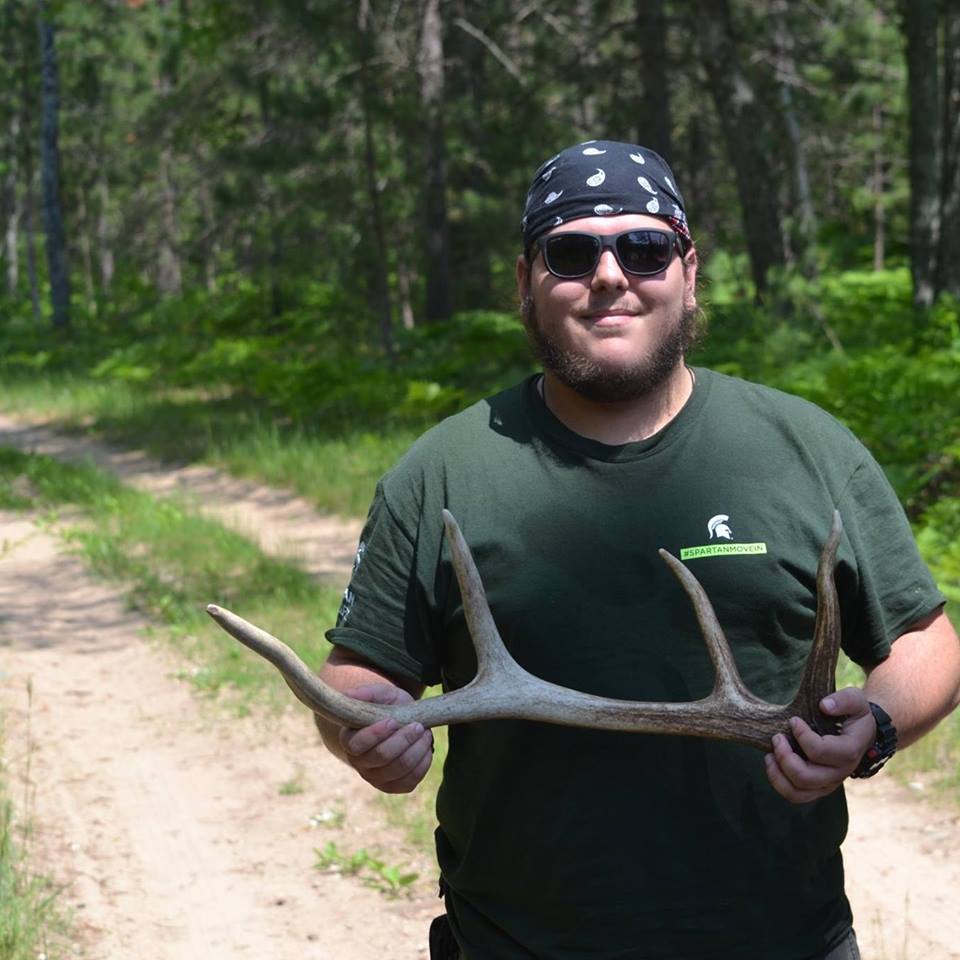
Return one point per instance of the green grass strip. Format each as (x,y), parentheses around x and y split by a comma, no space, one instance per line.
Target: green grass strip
(336,468)
(32,920)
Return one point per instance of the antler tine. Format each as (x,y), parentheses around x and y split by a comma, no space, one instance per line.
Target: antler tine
(307,687)
(492,656)
(729,683)
(819,676)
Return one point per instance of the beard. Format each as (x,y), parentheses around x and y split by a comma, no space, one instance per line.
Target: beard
(613,383)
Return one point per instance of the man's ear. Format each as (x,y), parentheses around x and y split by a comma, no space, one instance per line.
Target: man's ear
(690,265)
(523,277)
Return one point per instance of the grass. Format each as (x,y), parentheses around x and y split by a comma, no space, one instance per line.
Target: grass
(336,473)
(390,879)
(32,921)
(293,785)
(335,466)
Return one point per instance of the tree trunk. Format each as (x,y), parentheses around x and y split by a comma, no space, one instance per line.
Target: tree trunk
(103,232)
(919,23)
(696,181)
(169,272)
(169,275)
(439,305)
(84,231)
(949,259)
(787,78)
(743,133)
(208,239)
(477,23)
(29,206)
(379,267)
(879,187)
(404,284)
(588,63)
(268,188)
(56,242)
(11,201)
(655,123)
(29,188)
(12,205)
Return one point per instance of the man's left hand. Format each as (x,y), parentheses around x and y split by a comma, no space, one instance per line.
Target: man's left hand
(830,759)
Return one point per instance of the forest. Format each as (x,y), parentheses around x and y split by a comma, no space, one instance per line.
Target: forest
(297,220)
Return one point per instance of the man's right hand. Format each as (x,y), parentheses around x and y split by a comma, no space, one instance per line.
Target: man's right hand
(388,756)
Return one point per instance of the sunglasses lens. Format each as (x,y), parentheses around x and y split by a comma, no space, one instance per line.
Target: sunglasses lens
(645,252)
(571,254)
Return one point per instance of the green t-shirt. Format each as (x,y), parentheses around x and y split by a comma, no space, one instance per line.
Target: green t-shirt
(558,843)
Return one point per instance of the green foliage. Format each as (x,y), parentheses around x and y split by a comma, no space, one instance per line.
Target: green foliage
(241,144)
(903,406)
(939,540)
(389,879)
(305,367)
(292,786)
(32,919)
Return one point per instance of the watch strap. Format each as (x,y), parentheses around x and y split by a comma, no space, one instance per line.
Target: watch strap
(883,747)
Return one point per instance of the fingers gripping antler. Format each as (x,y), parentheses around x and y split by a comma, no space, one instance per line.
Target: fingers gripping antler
(502,689)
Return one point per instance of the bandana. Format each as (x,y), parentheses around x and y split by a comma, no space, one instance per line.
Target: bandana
(601,178)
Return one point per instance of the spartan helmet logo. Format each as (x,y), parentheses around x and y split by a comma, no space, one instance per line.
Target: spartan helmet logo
(718,527)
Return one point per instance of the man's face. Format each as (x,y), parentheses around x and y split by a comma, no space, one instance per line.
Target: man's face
(610,336)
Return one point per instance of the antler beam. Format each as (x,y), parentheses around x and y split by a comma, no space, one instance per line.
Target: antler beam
(502,689)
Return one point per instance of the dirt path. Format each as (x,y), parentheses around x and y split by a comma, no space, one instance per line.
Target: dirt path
(164,818)
(902,857)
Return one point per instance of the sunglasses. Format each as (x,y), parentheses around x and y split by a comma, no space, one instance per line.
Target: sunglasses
(642,253)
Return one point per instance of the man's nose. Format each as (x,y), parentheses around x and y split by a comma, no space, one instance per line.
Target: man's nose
(608,273)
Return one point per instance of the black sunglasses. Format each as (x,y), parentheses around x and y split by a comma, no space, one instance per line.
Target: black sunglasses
(642,253)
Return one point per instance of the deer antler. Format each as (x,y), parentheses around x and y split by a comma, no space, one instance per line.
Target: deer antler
(502,689)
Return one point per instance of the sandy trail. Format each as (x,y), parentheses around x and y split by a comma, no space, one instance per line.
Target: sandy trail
(168,823)
(902,857)
(163,819)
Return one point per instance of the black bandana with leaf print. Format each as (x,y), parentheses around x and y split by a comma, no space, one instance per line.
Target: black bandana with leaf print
(602,178)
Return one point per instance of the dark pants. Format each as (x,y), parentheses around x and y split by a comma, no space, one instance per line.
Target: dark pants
(444,947)
(847,950)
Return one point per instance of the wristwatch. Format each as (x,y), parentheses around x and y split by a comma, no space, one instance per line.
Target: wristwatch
(884,747)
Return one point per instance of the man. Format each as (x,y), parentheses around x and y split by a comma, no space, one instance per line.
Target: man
(556,842)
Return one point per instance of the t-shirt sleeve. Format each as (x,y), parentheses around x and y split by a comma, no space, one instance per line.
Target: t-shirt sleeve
(891,587)
(384,614)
